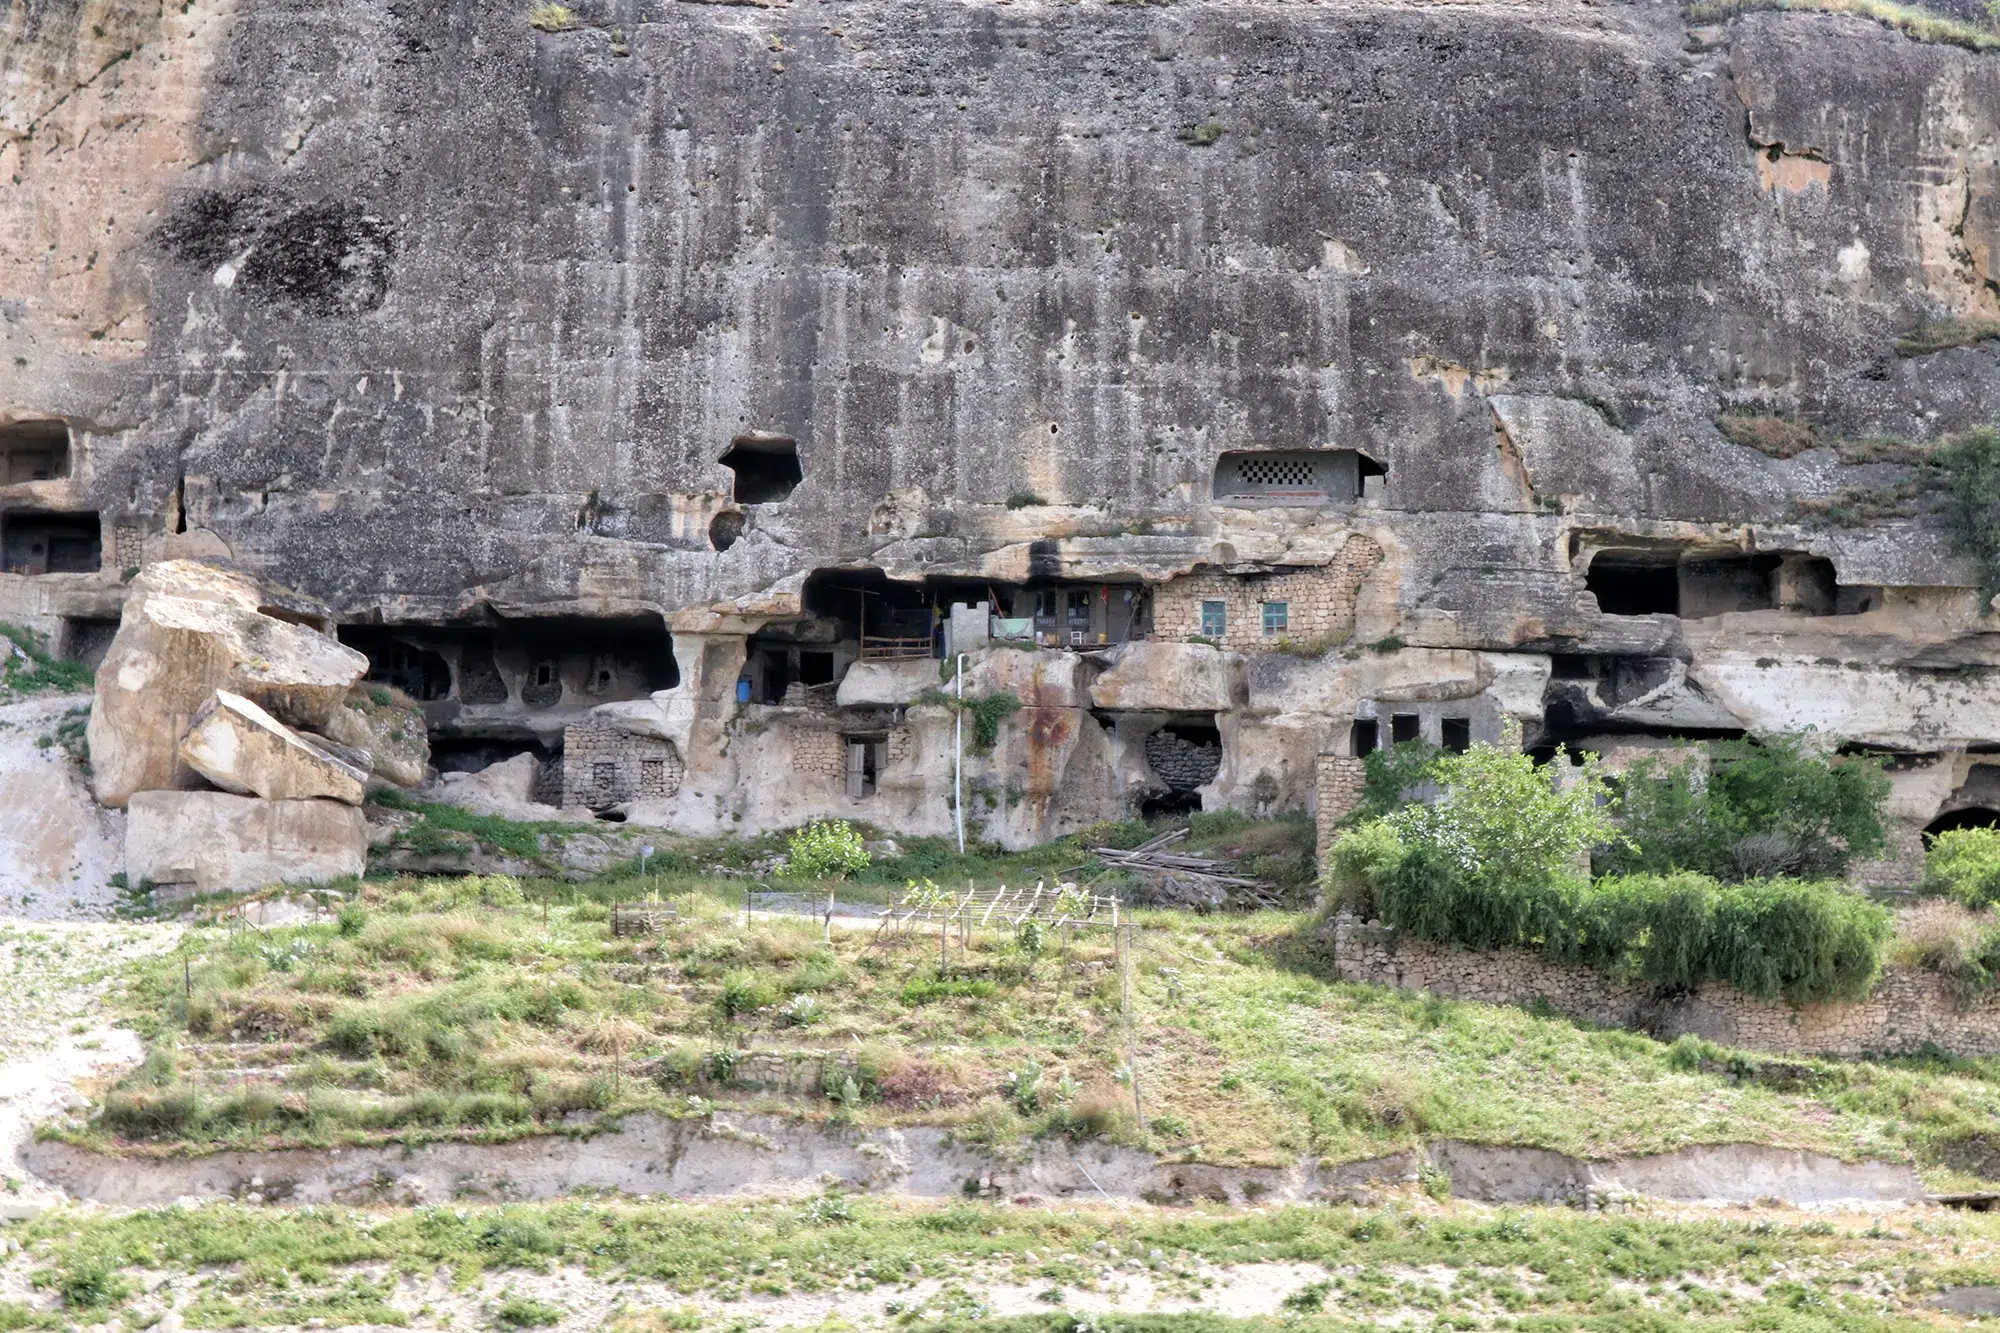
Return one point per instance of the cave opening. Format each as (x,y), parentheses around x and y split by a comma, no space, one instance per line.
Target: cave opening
(538,663)
(766,467)
(87,639)
(1974,816)
(1185,754)
(38,542)
(1628,583)
(725,529)
(34,451)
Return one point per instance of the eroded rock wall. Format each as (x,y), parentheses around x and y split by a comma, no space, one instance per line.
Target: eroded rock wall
(452,323)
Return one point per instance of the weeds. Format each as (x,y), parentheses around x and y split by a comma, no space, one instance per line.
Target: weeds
(1944,334)
(552,17)
(1911,20)
(28,668)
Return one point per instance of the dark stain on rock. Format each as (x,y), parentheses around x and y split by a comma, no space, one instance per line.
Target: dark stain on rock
(325,258)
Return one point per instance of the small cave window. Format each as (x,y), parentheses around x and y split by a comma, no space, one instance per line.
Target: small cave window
(1634,584)
(543,684)
(418,672)
(1405,727)
(773,676)
(1362,737)
(725,529)
(815,668)
(1457,734)
(766,467)
(33,451)
(1299,475)
(40,543)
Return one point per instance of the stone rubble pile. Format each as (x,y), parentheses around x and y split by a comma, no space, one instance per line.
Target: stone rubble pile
(234,730)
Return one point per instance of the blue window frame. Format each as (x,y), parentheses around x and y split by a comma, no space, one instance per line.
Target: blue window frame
(1214,620)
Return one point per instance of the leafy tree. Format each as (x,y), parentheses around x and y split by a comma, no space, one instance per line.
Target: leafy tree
(1758,809)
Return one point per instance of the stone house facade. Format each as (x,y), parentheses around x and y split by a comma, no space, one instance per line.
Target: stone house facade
(1246,613)
(604,765)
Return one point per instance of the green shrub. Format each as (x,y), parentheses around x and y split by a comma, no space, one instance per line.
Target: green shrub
(1356,863)
(825,849)
(522,1312)
(1808,941)
(1967,466)
(1394,775)
(27,667)
(1761,809)
(1501,819)
(742,992)
(1964,865)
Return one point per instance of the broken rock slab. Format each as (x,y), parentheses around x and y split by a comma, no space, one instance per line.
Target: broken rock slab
(389,727)
(214,842)
(505,789)
(189,629)
(243,749)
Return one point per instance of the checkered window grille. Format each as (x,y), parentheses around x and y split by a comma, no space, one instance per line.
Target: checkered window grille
(1277,472)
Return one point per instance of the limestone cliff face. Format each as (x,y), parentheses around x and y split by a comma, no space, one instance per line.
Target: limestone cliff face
(443,317)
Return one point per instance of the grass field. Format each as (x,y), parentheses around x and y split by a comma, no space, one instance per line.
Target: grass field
(461,1009)
(838,1263)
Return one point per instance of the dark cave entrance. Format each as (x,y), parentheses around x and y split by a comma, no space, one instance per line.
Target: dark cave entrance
(1634,584)
(33,451)
(766,467)
(1974,816)
(34,542)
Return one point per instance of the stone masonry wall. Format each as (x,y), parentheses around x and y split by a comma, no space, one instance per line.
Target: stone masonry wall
(1340,779)
(605,765)
(1319,601)
(1906,1011)
(821,754)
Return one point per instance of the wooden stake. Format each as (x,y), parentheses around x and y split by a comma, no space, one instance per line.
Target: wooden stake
(1125,1003)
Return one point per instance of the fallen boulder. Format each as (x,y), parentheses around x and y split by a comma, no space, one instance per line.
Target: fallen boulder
(212,841)
(506,789)
(243,749)
(192,628)
(389,727)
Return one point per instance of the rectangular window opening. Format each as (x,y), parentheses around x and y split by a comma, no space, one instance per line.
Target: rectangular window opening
(42,543)
(865,756)
(1214,620)
(1404,727)
(1362,738)
(1277,617)
(1457,734)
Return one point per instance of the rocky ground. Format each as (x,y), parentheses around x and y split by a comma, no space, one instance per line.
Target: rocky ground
(57,1032)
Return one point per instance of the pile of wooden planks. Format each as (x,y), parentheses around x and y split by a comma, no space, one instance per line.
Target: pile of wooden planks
(1198,883)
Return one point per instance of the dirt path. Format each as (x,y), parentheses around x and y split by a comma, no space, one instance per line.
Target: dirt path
(53,980)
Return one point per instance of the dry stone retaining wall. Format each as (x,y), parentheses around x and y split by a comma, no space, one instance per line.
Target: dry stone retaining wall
(1907,1011)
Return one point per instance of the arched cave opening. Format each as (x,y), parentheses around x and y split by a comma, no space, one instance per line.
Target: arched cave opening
(1972,816)
(725,529)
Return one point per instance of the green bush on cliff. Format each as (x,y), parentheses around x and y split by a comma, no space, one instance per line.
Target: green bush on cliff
(1755,810)
(1964,864)
(1493,864)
